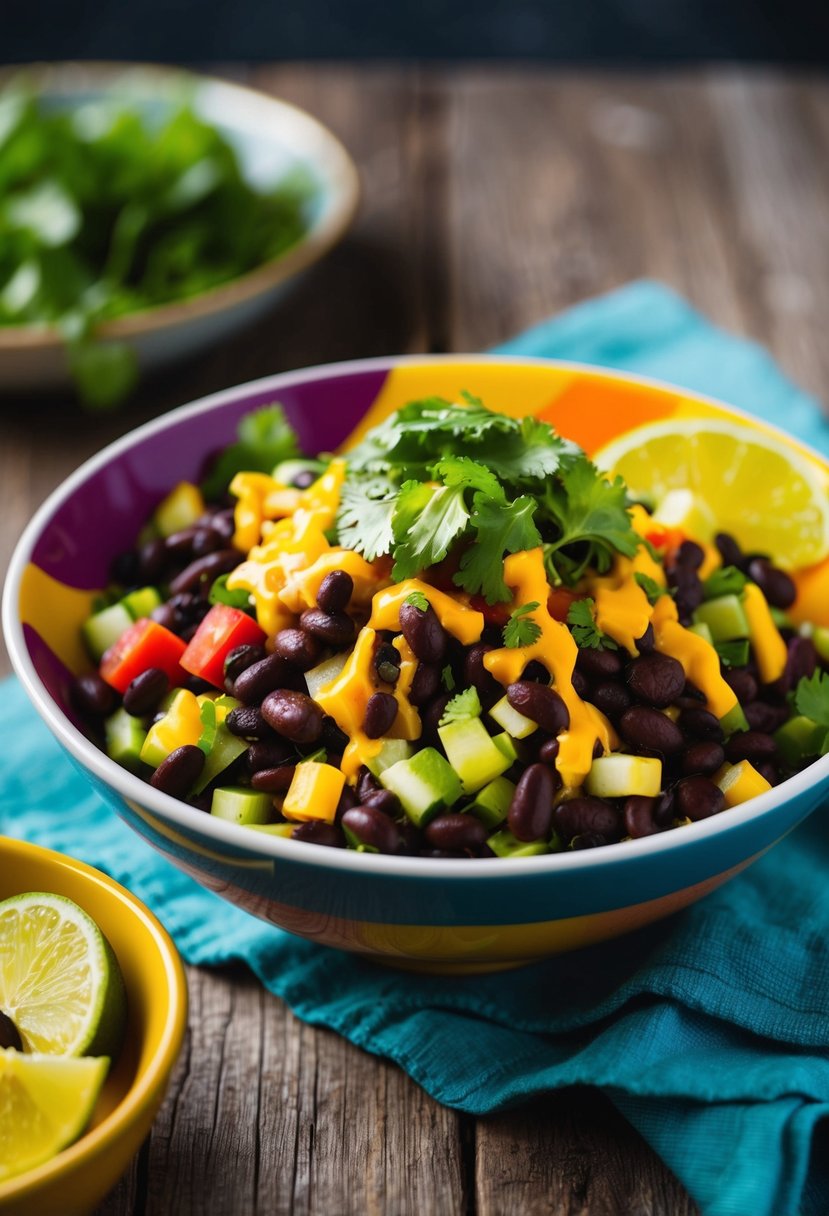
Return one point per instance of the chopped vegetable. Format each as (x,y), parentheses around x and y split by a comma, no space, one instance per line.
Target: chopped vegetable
(520,631)
(144,644)
(222,630)
(582,622)
(462,707)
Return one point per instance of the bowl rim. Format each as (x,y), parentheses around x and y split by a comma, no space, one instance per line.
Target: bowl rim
(132,789)
(339,186)
(141,1093)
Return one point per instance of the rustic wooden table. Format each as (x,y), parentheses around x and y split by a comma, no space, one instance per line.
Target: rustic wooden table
(492,198)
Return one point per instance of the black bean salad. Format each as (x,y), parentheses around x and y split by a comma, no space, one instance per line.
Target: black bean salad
(458,640)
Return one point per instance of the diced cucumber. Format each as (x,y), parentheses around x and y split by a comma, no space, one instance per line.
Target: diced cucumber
(618,776)
(226,748)
(104,628)
(181,508)
(273,829)
(514,723)
(493,802)
(734,721)
(287,470)
(820,640)
(504,844)
(124,739)
(506,744)
(390,752)
(725,617)
(472,754)
(798,739)
(324,673)
(702,631)
(425,784)
(140,603)
(236,804)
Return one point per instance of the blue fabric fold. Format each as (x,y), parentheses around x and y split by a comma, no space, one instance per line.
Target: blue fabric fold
(708,1031)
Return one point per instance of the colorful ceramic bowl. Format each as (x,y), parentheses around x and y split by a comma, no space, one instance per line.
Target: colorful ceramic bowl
(438,914)
(77,1179)
(271,139)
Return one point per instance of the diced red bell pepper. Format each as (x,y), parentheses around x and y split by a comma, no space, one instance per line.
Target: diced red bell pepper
(145,644)
(559,601)
(494,614)
(222,630)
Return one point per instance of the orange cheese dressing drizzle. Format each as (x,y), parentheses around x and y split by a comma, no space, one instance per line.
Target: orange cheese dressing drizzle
(457,618)
(769,648)
(699,659)
(557,650)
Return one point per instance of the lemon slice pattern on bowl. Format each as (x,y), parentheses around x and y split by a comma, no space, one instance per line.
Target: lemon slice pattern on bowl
(60,982)
(762,491)
(45,1104)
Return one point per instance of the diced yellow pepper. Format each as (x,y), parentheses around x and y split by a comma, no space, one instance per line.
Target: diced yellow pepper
(181,508)
(314,792)
(741,782)
(181,725)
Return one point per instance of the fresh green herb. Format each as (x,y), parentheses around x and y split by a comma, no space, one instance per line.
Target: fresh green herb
(499,527)
(109,209)
(519,629)
(219,594)
(584,629)
(320,756)
(209,726)
(728,580)
(462,707)
(733,654)
(651,587)
(447,678)
(417,600)
(812,697)
(264,438)
(365,519)
(592,517)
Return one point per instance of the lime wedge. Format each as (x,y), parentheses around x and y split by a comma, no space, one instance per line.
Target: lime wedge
(60,983)
(45,1104)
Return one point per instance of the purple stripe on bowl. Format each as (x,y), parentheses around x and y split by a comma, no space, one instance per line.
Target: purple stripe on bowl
(104,514)
(56,676)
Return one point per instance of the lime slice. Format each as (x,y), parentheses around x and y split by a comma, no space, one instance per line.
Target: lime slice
(60,982)
(45,1104)
(768,495)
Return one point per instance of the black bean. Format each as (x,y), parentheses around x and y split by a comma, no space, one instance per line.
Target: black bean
(381,711)
(777,587)
(293,715)
(383,800)
(764,717)
(240,658)
(768,770)
(704,757)
(690,554)
(743,684)
(454,832)
(332,738)
(206,540)
(698,798)
(367,784)
(643,727)
(548,752)
(297,647)
(256,681)
(581,685)
(801,660)
(334,628)
(372,828)
(578,816)
(268,753)
(303,479)
(700,724)
(9,1034)
(430,717)
(92,696)
(178,772)
(646,643)
(587,840)
(638,816)
(664,811)
(535,673)
(165,614)
(424,633)
(273,780)
(180,544)
(223,523)
(387,663)
(204,570)
(143,694)
(657,679)
(348,799)
(599,664)
(610,697)
(247,723)
(425,684)
(689,593)
(729,550)
(124,569)
(152,558)
(541,704)
(750,745)
(336,589)
(477,676)
(316,831)
(530,813)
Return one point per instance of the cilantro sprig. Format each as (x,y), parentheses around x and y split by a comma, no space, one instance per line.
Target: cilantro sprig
(463,706)
(521,629)
(586,633)
(438,478)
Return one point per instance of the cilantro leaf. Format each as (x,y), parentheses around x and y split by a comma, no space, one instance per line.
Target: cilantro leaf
(364,520)
(500,527)
(418,600)
(733,654)
(265,437)
(468,474)
(463,706)
(447,676)
(650,587)
(426,522)
(812,697)
(219,594)
(585,631)
(591,513)
(728,580)
(519,630)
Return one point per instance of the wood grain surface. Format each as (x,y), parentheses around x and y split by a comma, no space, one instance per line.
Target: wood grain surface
(490,200)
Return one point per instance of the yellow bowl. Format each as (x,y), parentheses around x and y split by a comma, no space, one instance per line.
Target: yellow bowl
(77,1179)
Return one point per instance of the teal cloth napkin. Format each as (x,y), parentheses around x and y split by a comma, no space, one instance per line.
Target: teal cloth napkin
(709,1031)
